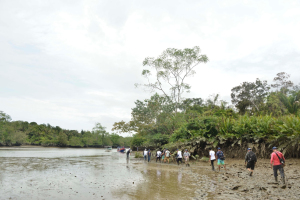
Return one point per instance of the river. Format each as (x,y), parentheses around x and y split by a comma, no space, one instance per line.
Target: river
(71,173)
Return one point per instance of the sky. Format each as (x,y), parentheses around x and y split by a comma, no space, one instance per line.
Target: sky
(74,63)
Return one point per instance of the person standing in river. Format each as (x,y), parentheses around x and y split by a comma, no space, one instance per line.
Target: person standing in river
(221,157)
(128,153)
(158,155)
(212,158)
(250,160)
(149,155)
(277,163)
(163,155)
(186,156)
(167,156)
(179,156)
(145,154)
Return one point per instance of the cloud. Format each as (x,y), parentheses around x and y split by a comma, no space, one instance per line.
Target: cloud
(74,63)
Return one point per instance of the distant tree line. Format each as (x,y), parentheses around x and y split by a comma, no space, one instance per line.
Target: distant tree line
(22,132)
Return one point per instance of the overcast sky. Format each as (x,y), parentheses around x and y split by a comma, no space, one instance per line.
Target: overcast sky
(73,63)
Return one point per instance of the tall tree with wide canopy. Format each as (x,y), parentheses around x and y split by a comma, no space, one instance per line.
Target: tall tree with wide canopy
(170,71)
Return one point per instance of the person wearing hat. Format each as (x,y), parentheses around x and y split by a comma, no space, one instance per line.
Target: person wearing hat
(145,154)
(221,157)
(277,163)
(250,160)
(186,156)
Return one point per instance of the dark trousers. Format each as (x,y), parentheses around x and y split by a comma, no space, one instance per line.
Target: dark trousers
(145,157)
(212,164)
(158,158)
(280,168)
(149,157)
(179,160)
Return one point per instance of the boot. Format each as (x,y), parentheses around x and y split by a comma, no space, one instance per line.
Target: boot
(283,180)
(276,179)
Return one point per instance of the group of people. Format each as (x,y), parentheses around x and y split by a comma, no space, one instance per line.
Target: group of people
(165,154)
(277,161)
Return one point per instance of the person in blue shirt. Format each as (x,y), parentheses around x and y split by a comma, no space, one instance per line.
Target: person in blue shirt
(221,157)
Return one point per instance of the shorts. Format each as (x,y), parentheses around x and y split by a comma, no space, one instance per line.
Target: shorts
(251,165)
(221,162)
(163,157)
(186,159)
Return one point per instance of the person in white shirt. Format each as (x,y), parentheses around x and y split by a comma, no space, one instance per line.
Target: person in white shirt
(158,155)
(167,158)
(212,158)
(179,156)
(145,154)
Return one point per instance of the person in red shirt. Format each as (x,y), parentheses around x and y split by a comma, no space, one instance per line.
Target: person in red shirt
(276,164)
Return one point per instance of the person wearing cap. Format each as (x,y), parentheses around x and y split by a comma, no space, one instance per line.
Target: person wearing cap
(186,156)
(128,153)
(145,154)
(167,156)
(158,155)
(276,164)
(221,157)
(250,160)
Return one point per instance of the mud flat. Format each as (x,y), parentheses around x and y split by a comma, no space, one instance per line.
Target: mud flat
(54,173)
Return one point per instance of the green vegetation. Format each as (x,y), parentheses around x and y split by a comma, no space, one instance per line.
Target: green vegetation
(20,132)
(260,113)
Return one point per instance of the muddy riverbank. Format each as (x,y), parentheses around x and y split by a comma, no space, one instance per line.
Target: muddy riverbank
(55,173)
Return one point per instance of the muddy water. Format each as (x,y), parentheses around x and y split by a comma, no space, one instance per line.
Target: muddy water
(56,173)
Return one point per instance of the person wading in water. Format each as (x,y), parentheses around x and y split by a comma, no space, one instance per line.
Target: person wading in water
(186,156)
(250,160)
(145,154)
(277,163)
(149,155)
(212,158)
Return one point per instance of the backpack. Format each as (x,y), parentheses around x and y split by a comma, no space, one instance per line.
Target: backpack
(221,155)
(280,159)
(251,156)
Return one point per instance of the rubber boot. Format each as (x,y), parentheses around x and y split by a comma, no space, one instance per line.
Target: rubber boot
(283,180)
(276,179)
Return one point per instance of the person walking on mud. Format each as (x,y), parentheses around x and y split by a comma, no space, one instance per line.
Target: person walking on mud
(163,155)
(212,158)
(277,163)
(158,155)
(145,154)
(221,157)
(167,156)
(149,155)
(179,156)
(250,160)
(186,156)
(128,153)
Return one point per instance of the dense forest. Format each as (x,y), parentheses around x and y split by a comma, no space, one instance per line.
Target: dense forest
(260,115)
(22,132)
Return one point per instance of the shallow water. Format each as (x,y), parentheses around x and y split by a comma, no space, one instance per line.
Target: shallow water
(68,173)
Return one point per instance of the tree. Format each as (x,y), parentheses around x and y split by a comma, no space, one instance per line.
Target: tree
(282,82)
(4,117)
(171,69)
(101,134)
(249,95)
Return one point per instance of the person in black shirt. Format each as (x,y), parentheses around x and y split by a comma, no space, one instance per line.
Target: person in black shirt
(250,160)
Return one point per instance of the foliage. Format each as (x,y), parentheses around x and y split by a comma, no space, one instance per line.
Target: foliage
(172,68)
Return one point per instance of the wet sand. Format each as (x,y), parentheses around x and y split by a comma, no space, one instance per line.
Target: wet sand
(54,173)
